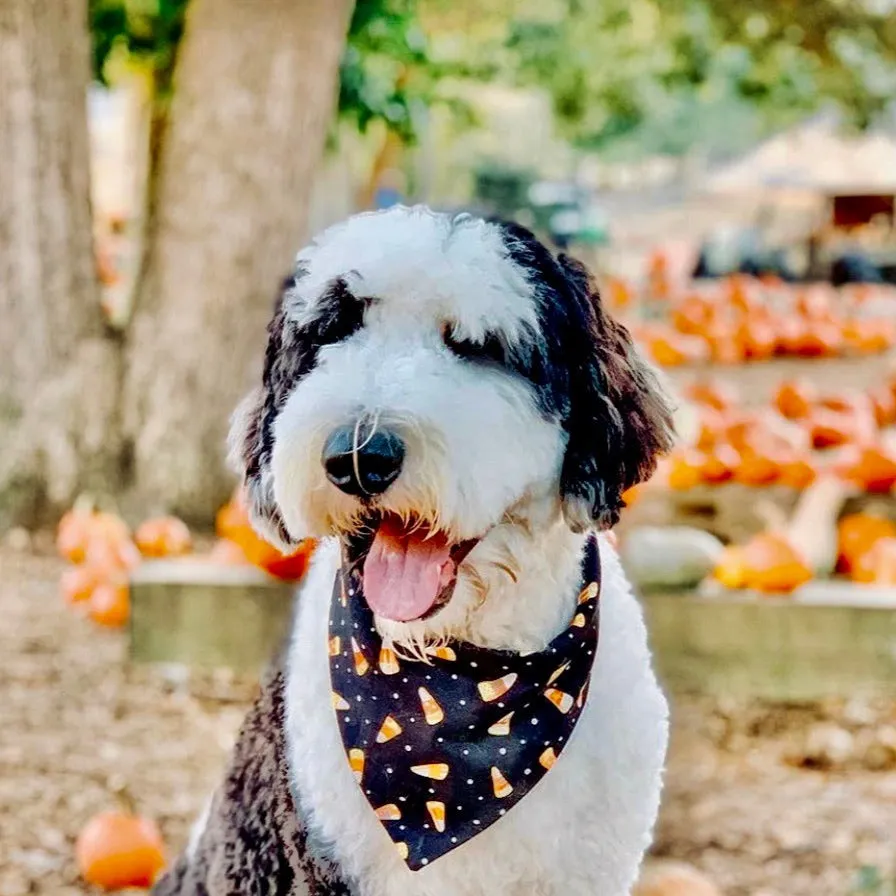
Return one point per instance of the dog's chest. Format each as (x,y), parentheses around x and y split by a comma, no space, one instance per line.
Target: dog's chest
(582,829)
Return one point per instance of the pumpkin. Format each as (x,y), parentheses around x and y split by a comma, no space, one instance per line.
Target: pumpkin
(877,566)
(227,553)
(871,467)
(795,399)
(731,570)
(73,533)
(820,339)
(869,336)
(712,394)
(757,338)
(797,472)
(674,349)
(856,534)
(883,404)
(684,470)
(829,429)
(773,565)
(110,604)
(77,583)
(165,536)
(232,523)
(758,467)
(108,556)
(116,850)
(674,879)
(719,464)
(692,315)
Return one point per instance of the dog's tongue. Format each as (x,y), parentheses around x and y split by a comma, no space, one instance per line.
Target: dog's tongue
(405,572)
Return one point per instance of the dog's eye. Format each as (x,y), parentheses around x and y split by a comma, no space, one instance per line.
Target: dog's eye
(490,349)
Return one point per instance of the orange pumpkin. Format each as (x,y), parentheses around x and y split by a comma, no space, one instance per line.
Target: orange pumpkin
(713,394)
(883,403)
(758,467)
(116,850)
(77,583)
(227,553)
(819,339)
(692,315)
(758,339)
(773,565)
(829,429)
(871,467)
(110,603)
(73,533)
(857,533)
(109,556)
(232,522)
(165,536)
(877,566)
(684,470)
(797,472)
(795,399)
(719,464)
(731,570)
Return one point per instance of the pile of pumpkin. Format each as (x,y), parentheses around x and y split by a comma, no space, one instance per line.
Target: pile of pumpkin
(741,319)
(776,562)
(802,434)
(103,552)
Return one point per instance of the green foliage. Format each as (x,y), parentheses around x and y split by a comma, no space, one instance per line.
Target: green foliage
(385,75)
(663,75)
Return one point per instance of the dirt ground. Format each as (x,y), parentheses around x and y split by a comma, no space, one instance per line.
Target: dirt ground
(769,801)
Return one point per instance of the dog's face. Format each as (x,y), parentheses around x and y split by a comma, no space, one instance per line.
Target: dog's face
(429,377)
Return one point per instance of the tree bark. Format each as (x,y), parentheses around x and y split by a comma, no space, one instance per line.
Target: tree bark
(254,93)
(58,367)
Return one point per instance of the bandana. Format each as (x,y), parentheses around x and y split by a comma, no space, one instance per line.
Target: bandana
(443,750)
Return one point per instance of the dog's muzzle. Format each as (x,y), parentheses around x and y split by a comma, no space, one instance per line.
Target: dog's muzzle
(361,463)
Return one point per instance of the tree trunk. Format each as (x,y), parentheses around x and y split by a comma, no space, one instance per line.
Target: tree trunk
(58,368)
(254,94)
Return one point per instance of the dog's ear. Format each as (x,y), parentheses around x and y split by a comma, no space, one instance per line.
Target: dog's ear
(619,419)
(251,437)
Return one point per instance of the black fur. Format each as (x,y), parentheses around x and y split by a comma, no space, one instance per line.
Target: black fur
(582,365)
(588,374)
(291,354)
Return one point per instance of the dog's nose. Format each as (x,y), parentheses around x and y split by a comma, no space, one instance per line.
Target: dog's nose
(368,470)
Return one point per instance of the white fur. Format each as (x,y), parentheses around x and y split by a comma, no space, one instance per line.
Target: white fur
(482,461)
(583,829)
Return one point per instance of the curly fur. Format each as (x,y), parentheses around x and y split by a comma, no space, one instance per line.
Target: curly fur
(526,412)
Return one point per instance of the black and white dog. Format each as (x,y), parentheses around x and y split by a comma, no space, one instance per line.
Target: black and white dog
(448,406)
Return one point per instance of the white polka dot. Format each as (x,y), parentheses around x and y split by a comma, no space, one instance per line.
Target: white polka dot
(472,727)
(469,780)
(407,748)
(528,771)
(463,702)
(358,698)
(502,812)
(412,719)
(460,808)
(473,665)
(500,706)
(404,680)
(454,677)
(431,790)
(475,821)
(402,799)
(466,752)
(424,861)
(440,740)
(395,696)
(503,751)
(481,798)
(429,678)
(534,721)
(401,827)
(426,826)
(454,839)
(389,770)
(523,743)
(547,743)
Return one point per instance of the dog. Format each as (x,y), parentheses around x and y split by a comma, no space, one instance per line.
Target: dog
(447,405)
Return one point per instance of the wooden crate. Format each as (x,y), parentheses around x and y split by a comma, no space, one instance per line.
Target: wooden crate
(833,639)
(207,616)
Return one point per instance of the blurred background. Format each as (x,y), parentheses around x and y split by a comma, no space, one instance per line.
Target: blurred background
(727,170)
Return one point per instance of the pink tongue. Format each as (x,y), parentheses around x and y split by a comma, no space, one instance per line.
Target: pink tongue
(403,574)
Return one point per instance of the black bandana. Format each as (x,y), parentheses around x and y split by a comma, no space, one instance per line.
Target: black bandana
(443,750)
